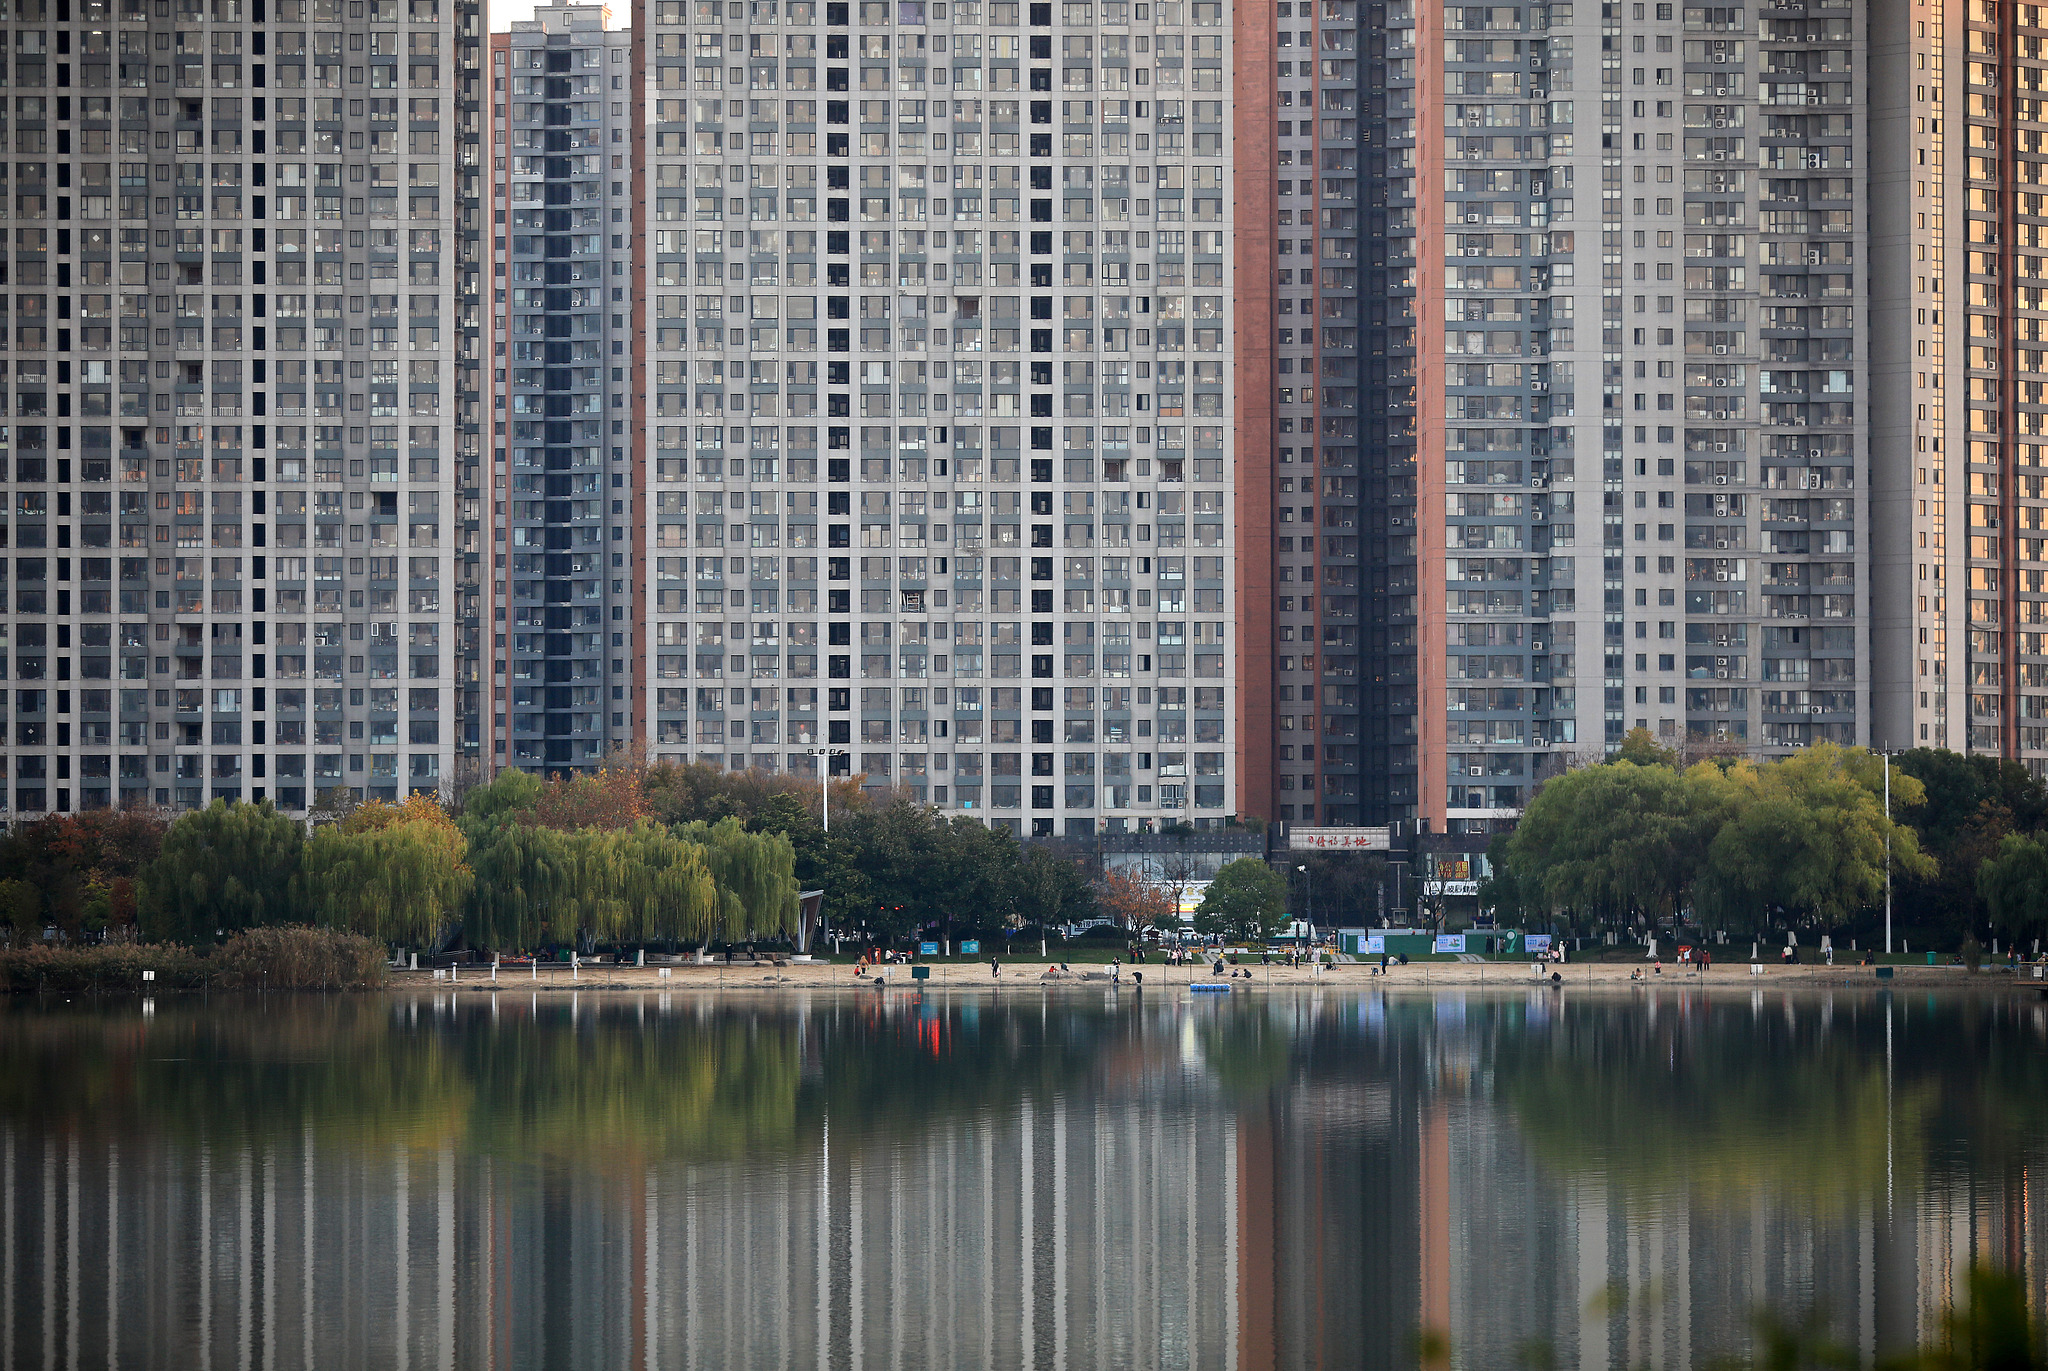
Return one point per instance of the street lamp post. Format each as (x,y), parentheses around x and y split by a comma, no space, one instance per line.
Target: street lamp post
(1309,877)
(824,756)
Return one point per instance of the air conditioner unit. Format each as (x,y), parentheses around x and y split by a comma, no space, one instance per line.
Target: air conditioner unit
(1476,771)
(1720,480)
(1813,454)
(1539,95)
(1721,543)
(1471,218)
(1720,123)
(1720,447)
(1720,156)
(1721,673)
(1721,575)
(1720,349)
(1720,380)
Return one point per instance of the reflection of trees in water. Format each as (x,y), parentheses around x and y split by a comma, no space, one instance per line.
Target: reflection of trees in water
(607,1082)
(1788,1098)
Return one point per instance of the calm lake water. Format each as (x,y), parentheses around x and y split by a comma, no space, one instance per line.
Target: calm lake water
(1062,1180)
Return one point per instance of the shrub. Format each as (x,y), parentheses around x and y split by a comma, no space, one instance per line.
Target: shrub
(297,958)
(112,966)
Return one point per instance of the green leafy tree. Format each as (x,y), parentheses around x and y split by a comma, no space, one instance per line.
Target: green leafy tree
(1639,747)
(1247,899)
(510,795)
(524,877)
(2014,885)
(1052,890)
(222,869)
(392,872)
(755,875)
(652,885)
(1620,841)
(1807,835)
(1972,803)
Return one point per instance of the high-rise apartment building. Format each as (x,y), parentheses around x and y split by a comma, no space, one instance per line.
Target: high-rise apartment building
(563,230)
(935,416)
(1959,655)
(1580,413)
(232,382)
(1087,416)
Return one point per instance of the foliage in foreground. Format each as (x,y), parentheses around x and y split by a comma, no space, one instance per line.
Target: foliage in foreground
(283,958)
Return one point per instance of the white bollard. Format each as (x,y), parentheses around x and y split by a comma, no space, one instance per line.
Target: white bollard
(640,957)
(415,962)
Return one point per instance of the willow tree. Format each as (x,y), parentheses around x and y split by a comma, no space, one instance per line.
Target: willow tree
(523,880)
(391,872)
(222,869)
(2014,884)
(644,884)
(756,875)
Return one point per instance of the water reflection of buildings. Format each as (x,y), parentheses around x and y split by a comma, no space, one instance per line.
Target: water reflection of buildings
(1290,1183)
(1609,1272)
(1138,1221)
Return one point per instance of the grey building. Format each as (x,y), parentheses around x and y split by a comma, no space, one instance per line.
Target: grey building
(936,424)
(233,391)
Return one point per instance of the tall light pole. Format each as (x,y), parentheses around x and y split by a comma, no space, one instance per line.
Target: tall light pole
(1310,879)
(824,756)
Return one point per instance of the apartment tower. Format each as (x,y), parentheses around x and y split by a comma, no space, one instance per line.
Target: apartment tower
(1579,414)
(233,392)
(563,592)
(935,415)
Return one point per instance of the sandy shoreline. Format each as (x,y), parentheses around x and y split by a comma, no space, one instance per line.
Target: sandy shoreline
(1023,975)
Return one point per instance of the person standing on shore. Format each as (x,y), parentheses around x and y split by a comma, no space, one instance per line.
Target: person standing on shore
(995,968)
